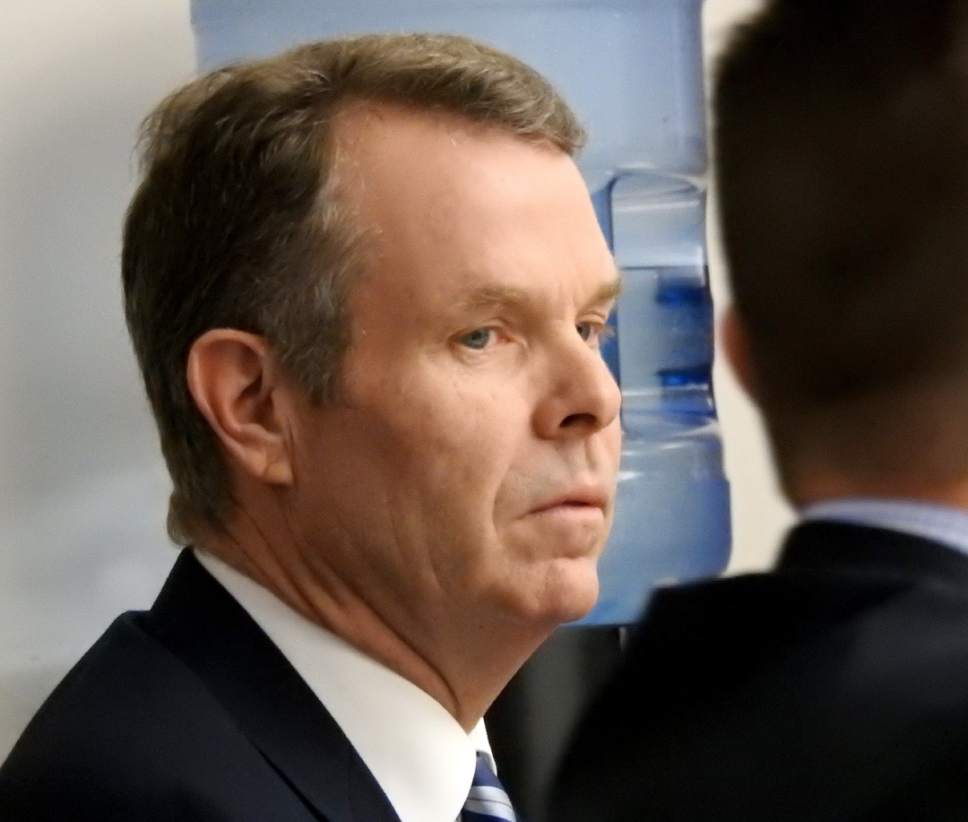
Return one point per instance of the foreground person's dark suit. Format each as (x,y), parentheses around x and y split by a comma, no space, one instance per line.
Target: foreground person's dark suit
(835,688)
(186,712)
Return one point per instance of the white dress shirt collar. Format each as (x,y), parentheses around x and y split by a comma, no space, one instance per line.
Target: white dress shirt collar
(417,752)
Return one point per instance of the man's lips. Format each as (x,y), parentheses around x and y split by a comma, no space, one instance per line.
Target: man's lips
(578,499)
(574,521)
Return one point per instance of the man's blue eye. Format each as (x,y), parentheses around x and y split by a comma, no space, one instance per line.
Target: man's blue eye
(594,332)
(477,339)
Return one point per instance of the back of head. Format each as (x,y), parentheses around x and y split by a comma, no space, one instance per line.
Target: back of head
(238,222)
(842,159)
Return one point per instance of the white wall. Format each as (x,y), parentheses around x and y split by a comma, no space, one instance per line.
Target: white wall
(82,488)
(759,513)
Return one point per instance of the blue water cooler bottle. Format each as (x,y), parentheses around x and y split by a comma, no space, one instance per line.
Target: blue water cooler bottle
(632,70)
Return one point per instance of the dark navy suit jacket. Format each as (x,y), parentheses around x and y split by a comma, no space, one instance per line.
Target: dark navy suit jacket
(186,712)
(834,688)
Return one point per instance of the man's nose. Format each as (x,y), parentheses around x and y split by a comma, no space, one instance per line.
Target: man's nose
(582,395)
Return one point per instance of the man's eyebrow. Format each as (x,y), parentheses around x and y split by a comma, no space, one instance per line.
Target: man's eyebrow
(490,296)
(609,291)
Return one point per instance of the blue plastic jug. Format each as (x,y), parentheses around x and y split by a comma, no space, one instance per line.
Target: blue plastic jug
(632,70)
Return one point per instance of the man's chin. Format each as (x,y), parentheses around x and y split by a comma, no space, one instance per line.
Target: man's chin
(568,591)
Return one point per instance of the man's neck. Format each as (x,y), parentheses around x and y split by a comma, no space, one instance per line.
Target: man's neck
(473,670)
(829,486)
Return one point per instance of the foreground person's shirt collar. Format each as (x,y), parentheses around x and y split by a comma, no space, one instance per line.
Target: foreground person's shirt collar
(418,753)
(941,523)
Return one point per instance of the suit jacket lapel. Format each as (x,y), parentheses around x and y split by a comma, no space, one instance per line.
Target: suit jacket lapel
(210,632)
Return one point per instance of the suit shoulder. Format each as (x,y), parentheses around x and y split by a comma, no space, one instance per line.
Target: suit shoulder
(125,685)
(128,723)
(773,673)
(811,636)
(772,608)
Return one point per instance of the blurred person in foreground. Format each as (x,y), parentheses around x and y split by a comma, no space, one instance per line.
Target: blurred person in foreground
(366,287)
(834,687)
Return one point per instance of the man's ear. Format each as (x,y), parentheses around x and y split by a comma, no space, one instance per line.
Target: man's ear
(234,381)
(736,346)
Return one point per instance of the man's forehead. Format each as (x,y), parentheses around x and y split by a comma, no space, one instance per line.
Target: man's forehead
(360,121)
(484,294)
(432,173)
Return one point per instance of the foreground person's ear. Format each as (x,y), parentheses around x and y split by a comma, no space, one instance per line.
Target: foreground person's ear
(233,379)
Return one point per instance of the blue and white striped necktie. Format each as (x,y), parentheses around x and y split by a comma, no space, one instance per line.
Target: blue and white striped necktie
(487,801)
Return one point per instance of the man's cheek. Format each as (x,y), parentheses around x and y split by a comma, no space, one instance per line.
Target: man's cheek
(615,441)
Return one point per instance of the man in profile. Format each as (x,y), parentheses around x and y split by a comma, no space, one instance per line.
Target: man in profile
(365,285)
(836,686)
